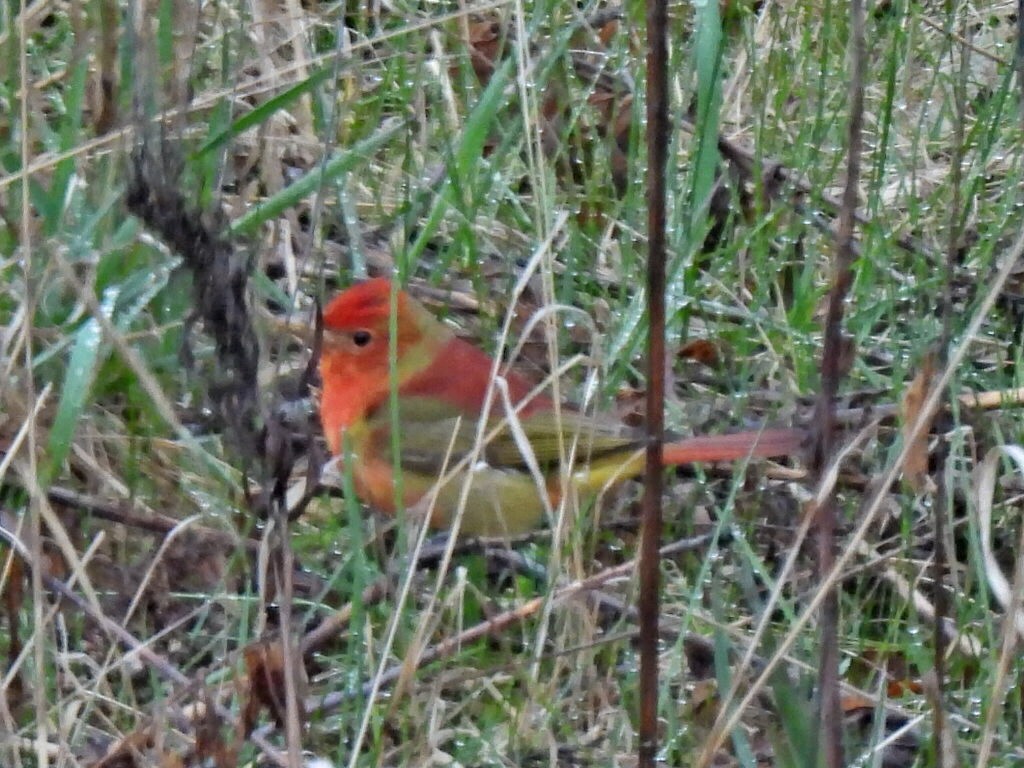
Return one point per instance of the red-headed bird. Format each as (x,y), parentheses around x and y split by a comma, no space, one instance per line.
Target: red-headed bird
(442,384)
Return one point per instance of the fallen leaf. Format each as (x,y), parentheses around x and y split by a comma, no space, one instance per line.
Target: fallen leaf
(702,351)
(915,468)
(486,41)
(125,753)
(265,667)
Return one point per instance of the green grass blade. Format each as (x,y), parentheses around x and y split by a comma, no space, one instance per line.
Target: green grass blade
(82,365)
(709,103)
(478,124)
(263,112)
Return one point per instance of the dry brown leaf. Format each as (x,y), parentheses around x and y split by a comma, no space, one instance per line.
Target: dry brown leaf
(486,41)
(702,351)
(630,405)
(212,747)
(608,31)
(125,753)
(915,468)
(264,664)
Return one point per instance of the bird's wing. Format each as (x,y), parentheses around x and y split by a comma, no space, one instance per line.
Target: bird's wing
(435,435)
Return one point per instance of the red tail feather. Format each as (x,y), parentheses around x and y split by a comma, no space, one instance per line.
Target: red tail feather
(740,445)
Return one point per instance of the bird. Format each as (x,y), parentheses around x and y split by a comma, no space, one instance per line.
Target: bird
(384,368)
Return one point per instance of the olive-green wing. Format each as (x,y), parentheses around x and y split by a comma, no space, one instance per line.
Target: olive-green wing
(435,435)
(552,436)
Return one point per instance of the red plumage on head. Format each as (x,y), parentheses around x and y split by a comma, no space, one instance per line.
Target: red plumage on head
(364,304)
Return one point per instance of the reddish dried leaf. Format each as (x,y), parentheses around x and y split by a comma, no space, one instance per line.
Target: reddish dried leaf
(899,688)
(607,32)
(212,745)
(54,564)
(854,702)
(486,40)
(901,676)
(250,715)
(554,103)
(614,111)
(226,756)
(915,468)
(629,403)
(702,351)
(264,663)
(591,215)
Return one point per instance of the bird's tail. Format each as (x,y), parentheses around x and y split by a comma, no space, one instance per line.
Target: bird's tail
(768,443)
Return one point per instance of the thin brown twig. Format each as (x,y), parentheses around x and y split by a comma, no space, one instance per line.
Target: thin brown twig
(294,716)
(123,514)
(830,726)
(650,541)
(963,41)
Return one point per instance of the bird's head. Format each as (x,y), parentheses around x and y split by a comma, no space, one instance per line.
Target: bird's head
(355,357)
(357,323)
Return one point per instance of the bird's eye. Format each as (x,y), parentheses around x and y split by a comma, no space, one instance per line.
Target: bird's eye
(361,338)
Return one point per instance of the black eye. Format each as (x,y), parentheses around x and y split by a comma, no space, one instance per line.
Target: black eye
(361,338)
